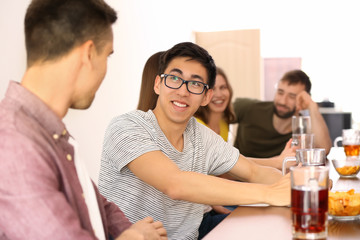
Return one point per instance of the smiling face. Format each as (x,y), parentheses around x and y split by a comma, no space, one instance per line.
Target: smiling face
(285,99)
(179,105)
(221,96)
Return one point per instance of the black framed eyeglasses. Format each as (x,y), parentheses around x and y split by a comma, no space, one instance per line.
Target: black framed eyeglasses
(175,82)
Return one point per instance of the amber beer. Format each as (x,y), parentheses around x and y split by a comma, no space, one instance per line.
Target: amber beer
(306,219)
(350,141)
(309,201)
(352,150)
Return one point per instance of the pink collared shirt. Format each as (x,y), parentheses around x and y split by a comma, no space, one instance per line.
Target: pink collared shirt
(40,193)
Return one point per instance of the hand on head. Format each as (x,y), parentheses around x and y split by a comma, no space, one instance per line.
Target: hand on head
(304,101)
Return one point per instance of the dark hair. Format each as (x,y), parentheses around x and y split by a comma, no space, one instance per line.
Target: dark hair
(297,76)
(194,52)
(148,97)
(228,115)
(54,27)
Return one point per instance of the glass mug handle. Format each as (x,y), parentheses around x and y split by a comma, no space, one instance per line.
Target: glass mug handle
(337,140)
(287,159)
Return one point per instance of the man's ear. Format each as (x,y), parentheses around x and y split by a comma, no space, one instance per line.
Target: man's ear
(88,52)
(157,84)
(207,98)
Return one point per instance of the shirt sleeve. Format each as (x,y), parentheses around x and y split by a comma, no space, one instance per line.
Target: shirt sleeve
(220,155)
(116,221)
(127,138)
(31,201)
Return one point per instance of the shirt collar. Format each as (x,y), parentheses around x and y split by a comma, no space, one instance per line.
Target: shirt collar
(37,109)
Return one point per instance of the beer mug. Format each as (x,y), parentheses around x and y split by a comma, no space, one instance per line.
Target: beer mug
(309,201)
(300,125)
(350,140)
(307,157)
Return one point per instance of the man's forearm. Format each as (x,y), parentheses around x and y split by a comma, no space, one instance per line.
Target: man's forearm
(267,174)
(195,187)
(319,128)
(274,162)
(211,190)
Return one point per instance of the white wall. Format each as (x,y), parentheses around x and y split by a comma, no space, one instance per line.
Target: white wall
(324,33)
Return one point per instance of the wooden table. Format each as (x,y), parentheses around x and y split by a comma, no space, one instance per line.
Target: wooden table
(274,223)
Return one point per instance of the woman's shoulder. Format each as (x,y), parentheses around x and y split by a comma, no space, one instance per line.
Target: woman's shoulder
(200,121)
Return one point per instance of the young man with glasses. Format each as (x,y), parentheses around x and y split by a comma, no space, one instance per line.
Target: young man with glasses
(159,163)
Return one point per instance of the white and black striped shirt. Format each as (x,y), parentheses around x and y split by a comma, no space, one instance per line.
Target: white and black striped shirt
(131,135)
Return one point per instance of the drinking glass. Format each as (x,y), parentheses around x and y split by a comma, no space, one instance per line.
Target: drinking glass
(300,125)
(307,157)
(350,140)
(304,140)
(309,201)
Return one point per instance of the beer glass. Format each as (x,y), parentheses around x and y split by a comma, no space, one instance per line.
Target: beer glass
(350,140)
(300,125)
(304,140)
(307,157)
(309,201)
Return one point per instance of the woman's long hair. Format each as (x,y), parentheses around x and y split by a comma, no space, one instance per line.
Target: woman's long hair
(148,97)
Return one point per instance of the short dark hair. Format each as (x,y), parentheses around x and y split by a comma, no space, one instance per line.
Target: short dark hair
(297,76)
(54,27)
(194,52)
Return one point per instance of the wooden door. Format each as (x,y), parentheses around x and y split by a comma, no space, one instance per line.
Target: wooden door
(238,54)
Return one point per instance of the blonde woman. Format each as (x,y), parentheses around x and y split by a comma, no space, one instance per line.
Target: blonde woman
(218,114)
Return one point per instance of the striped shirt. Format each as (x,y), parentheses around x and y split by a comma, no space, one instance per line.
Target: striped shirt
(131,135)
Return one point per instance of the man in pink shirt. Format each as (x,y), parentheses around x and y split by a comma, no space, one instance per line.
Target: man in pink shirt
(43,192)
